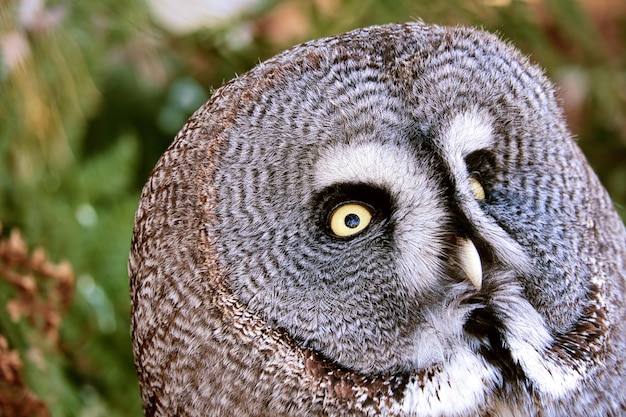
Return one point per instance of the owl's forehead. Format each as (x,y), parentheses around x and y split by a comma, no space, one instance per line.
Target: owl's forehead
(368,83)
(414,63)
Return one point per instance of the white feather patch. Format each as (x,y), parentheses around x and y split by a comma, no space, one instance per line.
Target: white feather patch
(381,164)
(458,389)
(529,339)
(468,132)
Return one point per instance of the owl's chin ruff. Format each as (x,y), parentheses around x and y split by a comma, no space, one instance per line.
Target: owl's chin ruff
(403,390)
(491,347)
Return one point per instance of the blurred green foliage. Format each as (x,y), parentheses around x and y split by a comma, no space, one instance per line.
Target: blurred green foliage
(91,93)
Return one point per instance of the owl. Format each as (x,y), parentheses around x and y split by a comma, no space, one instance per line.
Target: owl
(395,221)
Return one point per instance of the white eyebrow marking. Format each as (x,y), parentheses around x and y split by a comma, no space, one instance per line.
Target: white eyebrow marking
(468,132)
(376,163)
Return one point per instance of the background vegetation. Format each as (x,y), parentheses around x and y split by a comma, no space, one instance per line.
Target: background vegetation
(92,92)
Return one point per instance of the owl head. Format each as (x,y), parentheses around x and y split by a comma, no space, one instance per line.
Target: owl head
(395,220)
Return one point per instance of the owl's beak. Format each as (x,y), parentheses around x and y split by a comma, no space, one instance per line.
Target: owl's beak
(469,262)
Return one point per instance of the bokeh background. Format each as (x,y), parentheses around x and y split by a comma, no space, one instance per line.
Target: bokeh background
(92,92)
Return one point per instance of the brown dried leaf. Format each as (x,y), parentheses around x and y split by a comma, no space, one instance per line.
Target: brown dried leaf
(14,308)
(38,258)
(43,290)
(16,244)
(16,400)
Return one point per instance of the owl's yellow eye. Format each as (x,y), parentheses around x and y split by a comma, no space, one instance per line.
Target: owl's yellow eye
(349,219)
(477,187)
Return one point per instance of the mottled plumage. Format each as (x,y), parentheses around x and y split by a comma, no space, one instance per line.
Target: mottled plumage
(395,221)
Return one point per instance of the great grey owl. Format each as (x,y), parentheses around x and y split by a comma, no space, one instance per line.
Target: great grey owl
(394,221)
